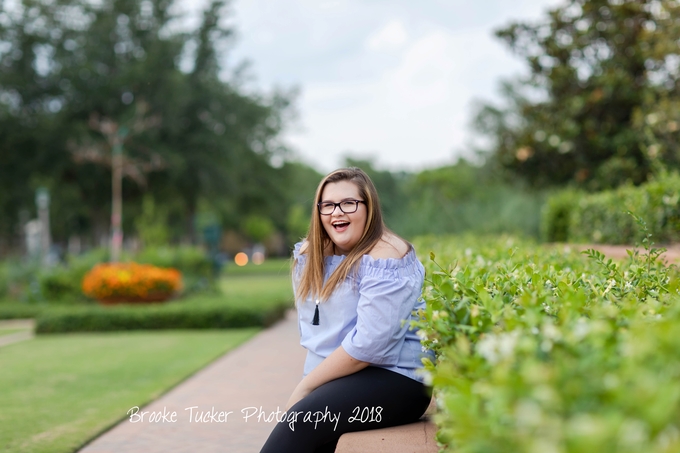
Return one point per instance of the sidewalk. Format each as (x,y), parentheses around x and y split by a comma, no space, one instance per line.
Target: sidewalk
(27,324)
(671,256)
(261,373)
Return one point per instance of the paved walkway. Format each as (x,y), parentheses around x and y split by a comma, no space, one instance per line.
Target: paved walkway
(255,379)
(27,324)
(671,256)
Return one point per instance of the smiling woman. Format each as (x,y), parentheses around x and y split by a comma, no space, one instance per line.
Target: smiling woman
(344,221)
(357,285)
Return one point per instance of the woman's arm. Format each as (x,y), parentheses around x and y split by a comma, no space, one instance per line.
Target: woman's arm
(335,366)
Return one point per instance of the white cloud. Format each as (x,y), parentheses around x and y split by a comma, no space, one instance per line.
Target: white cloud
(414,114)
(399,89)
(425,73)
(391,36)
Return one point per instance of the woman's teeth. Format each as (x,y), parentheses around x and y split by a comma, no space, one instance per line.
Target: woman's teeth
(340,225)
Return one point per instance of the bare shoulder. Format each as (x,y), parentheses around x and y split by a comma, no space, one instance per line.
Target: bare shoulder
(390,246)
(303,247)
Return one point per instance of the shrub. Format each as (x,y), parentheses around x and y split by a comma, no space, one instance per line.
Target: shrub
(602,217)
(556,215)
(131,282)
(541,349)
(19,280)
(14,310)
(194,264)
(171,316)
(62,284)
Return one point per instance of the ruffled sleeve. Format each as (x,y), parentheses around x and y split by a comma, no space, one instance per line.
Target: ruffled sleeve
(388,292)
(299,262)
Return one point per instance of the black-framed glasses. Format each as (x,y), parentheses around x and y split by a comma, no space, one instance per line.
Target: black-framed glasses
(346,206)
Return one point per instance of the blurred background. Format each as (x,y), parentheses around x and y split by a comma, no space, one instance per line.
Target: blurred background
(134,124)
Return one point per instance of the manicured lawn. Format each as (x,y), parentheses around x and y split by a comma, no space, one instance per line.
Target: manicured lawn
(59,391)
(248,290)
(275,266)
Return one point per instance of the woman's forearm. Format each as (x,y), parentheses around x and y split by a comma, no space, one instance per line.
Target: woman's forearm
(335,366)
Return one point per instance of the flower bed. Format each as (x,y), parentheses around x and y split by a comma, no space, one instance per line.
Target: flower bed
(112,283)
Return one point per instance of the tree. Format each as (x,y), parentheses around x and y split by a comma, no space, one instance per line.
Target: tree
(65,62)
(600,104)
(466,198)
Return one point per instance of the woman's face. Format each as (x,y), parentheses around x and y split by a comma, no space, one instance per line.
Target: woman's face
(345,230)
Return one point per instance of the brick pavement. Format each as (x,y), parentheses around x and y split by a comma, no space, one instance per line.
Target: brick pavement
(671,256)
(260,373)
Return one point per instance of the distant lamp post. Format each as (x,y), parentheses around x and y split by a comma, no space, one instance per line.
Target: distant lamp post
(42,200)
(117,194)
(110,153)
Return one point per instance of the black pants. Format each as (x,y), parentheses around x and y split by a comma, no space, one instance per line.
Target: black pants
(369,399)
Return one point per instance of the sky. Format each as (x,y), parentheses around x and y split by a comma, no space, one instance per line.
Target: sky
(389,80)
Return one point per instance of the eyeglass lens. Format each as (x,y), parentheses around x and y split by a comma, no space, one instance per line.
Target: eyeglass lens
(347,206)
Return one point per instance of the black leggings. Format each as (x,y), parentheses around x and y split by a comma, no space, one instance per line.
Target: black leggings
(369,399)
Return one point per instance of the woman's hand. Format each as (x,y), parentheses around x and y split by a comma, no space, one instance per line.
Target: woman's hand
(299,393)
(336,365)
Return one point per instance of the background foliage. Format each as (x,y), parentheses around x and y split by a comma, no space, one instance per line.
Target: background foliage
(599,107)
(603,217)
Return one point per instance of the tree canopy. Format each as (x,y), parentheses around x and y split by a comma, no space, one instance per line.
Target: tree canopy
(77,77)
(600,105)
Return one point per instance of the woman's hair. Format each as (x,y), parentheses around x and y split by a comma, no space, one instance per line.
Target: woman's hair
(311,281)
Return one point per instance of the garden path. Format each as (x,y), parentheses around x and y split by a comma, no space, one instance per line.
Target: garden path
(255,378)
(672,254)
(27,334)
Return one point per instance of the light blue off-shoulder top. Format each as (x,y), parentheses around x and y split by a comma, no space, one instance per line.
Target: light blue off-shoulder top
(369,314)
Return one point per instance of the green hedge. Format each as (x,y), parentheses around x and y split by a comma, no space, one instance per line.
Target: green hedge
(13,310)
(172,316)
(602,217)
(541,349)
(556,215)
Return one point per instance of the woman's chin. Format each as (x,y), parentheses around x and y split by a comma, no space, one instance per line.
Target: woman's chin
(342,247)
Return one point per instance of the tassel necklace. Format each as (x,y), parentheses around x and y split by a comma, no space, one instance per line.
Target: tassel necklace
(315,321)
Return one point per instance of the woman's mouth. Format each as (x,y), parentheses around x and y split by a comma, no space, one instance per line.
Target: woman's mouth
(340,226)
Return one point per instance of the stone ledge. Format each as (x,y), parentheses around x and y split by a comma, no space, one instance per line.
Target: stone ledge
(416,437)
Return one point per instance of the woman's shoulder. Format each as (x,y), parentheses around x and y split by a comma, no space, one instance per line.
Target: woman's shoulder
(392,259)
(300,250)
(390,246)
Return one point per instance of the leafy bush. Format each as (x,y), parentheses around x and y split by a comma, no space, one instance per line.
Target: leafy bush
(19,280)
(602,217)
(193,262)
(543,350)
(14,310)
(556,215)
(170,316)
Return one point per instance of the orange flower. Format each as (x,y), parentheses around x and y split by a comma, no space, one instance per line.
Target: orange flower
(130,280)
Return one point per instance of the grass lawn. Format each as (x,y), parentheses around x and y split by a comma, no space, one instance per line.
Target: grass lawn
(59,391)
(256,289)
(271,266)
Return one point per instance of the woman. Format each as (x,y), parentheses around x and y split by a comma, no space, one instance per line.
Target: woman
(356,285)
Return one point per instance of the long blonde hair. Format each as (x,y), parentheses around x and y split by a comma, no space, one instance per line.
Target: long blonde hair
(311,281)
